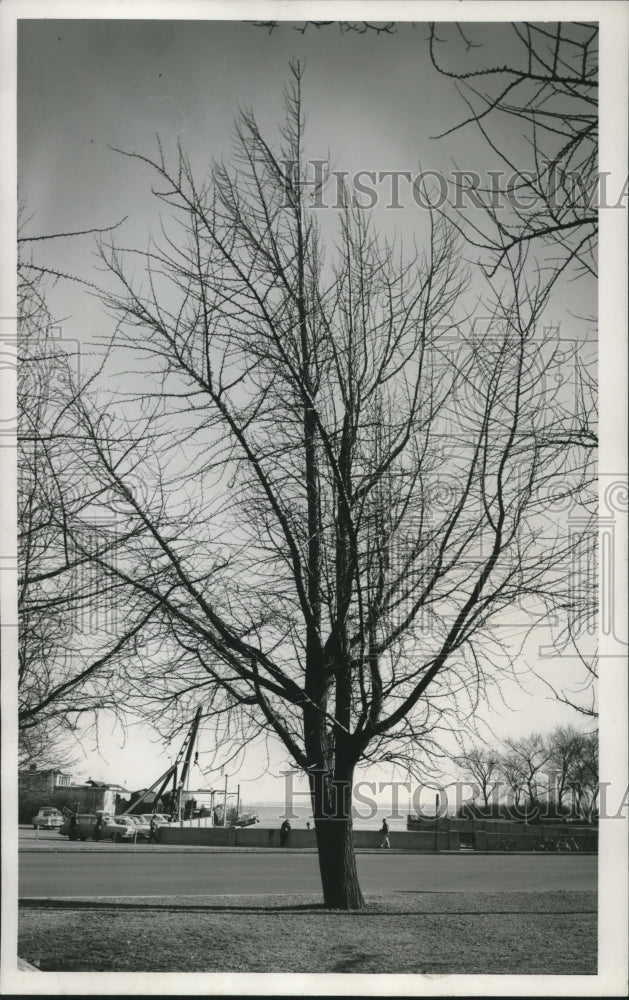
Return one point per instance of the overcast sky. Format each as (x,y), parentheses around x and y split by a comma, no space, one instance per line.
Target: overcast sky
(373,101)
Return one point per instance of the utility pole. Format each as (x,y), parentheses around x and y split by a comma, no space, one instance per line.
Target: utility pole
(186,793)
(225,803)
(436,817)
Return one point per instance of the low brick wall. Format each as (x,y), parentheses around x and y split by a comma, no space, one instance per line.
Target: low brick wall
(524,840)
(491,835)
(256,836)
(421,841)
(199,836)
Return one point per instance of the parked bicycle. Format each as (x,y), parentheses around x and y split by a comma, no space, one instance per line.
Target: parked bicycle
(506,845)
(543,844)
(567,844)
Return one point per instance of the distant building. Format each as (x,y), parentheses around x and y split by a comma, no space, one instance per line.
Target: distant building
(47,780)
(54,787)
(105,793)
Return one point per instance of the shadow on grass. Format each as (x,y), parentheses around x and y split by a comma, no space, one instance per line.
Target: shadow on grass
(101,904)
(371,910)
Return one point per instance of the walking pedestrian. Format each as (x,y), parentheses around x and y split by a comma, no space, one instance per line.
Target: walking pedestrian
(385,834)
(284,832)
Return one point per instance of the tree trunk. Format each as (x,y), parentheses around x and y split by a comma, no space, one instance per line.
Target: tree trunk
(337,864)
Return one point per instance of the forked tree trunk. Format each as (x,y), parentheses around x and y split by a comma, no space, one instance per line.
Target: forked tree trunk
(337,864)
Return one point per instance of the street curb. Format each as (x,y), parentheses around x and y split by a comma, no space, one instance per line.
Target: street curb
(214,849)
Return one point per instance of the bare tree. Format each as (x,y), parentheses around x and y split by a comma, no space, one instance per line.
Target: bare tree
(575,640)
(514,778)
(545,197)
(484,767)
(45,746)
(548,87)
(345,27)
(523,767)
(545,81)
(331,493)
(582,778)
(69,637)
(542,767)
(566,745)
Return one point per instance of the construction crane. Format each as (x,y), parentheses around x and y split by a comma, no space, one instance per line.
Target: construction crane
(182,760)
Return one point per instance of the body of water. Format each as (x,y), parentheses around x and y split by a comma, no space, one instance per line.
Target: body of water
(273,814)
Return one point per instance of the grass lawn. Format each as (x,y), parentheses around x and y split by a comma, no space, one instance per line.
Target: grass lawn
(403,932)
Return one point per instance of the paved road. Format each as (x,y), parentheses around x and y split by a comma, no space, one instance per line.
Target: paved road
(160,874)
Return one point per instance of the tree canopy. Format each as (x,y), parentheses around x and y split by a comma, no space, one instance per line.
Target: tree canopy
(331,482)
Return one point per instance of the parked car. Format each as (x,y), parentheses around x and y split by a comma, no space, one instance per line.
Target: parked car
(136,824)
(79,826)
(162,819)
(48,818)
(116,828)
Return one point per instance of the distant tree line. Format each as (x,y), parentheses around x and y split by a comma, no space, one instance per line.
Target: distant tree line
(545,775)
